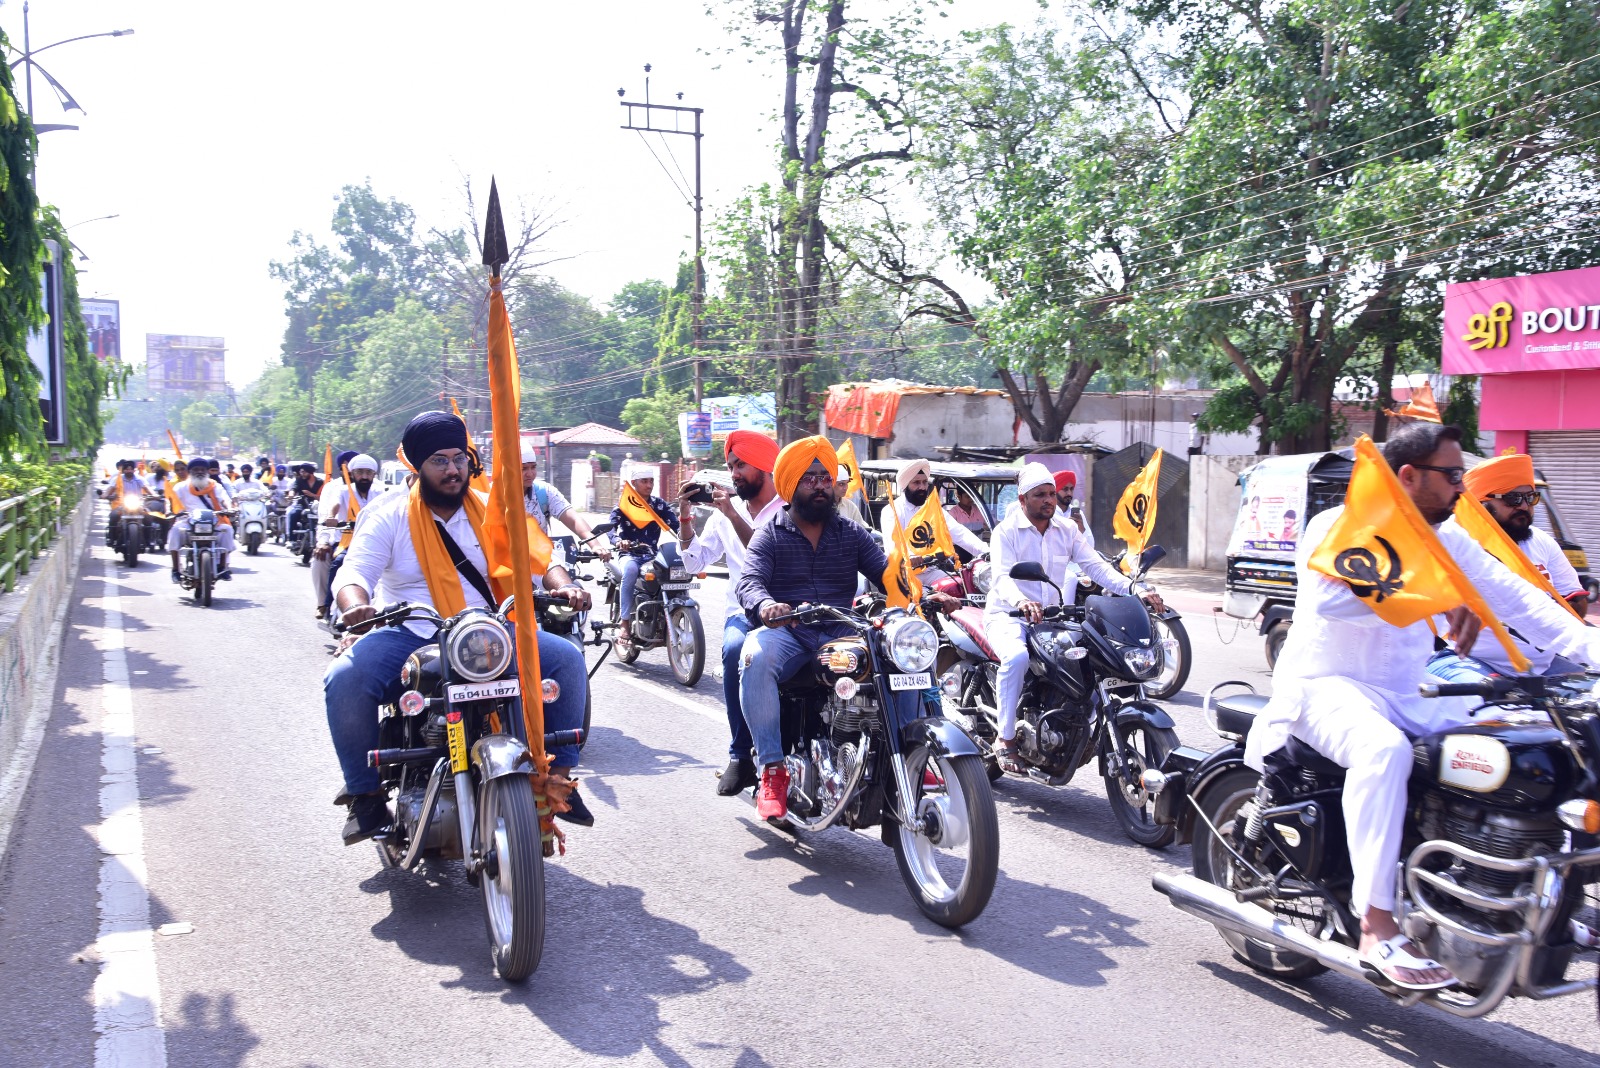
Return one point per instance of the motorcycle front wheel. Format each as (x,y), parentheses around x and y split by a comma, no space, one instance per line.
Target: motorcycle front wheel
(252,543)
(950,866)
(204,576)
(686,645)
(132,542)
(1176,658)
(513,878)
(1141,746)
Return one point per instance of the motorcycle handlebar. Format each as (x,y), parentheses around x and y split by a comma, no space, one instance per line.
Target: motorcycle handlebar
(1485,688)
(558,738)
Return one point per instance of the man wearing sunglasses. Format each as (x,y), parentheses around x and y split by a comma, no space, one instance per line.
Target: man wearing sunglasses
(1504,485)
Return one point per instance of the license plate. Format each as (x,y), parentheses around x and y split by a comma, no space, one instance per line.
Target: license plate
(677,586)
(456,731)
(920,681)
(485,691)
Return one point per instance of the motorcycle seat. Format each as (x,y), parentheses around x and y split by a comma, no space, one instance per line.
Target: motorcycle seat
(1301,755)
(970,620)
(1236,712)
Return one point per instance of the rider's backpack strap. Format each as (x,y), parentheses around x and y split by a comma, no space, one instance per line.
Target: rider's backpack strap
(468,569)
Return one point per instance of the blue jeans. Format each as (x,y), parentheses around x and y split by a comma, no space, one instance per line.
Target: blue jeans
(774,655)
(367,675)
(1448,666)
(630,575)
(733,635)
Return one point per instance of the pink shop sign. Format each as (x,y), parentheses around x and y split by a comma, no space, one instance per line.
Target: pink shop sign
(1536,322)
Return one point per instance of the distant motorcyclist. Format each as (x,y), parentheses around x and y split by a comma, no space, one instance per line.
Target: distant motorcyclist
(246,480)
(125,481)
(543,502)
(199,490)
(332,489)
(303,494)
(341,504)
(637,543)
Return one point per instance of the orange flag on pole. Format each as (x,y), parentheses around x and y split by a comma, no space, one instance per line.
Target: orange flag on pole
(901,588)
(638,510)
(174,440)
(1476,520)
(327,464)
(847,457)
(481,482)
(1421,406)
(1135,517)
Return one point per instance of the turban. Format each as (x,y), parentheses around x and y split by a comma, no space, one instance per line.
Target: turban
(755,449)
(1065,479)
(1032,476)
(199,463)
(911,471)
(530,452)
(431,432)
(631,472)
(797,457)
(1503,473)
(342,461)
(362,462)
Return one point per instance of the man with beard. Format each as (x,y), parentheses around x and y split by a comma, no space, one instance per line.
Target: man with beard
(200,490)
(338,505)
(388,562)
(637,543)
(913,484)
(751,457)
(806,555)
(1346,684)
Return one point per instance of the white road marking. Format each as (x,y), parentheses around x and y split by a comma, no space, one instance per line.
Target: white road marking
(127,995)
(715,714)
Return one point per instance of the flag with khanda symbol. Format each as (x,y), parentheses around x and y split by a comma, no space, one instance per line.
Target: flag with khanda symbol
(927,533)
(900,586)
(638,510)
(1135,517)
(847,458)
(1385,551)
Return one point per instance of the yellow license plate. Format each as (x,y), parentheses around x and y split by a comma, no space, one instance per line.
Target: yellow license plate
(456,730)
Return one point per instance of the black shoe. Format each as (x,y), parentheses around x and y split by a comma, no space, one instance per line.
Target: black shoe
(578,812)
(226,576)
(177,579)
(369,815)
(738,776)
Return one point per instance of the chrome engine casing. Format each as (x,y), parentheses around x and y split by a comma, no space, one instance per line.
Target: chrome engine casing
(443,836)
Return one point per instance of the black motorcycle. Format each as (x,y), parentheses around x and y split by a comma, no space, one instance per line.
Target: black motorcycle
(1167,623)
(199,556)
(1084,698)
(302,536)
(923,784)
(454,755)
(664,613)
(1499,843)
(128,528)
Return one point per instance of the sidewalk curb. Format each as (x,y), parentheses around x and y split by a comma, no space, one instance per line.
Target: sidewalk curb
(17,767)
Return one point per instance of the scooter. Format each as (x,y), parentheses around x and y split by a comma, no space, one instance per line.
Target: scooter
(252,520)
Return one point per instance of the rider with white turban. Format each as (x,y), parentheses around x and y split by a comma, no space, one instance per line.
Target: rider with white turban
(912,486)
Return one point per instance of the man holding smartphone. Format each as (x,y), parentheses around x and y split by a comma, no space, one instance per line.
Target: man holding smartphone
(751,457)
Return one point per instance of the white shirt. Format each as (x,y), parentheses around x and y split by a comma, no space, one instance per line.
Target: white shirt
(188,499)
(1487,648)
(1337,635)
(719,541)
(383,561)
(1547,556)
(959,534)
(1059,548)
(334,504)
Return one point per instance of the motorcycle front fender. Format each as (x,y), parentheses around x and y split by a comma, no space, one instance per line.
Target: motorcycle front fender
(945,737)
(1145,712)
(499,755)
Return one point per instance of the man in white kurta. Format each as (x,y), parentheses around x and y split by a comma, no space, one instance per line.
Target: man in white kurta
(200,490)
(1033,533)
(1346,681)
(913,485)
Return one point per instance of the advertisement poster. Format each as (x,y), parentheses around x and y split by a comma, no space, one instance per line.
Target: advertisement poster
(756,411)
(103,320)
(1271,513)
(694,430)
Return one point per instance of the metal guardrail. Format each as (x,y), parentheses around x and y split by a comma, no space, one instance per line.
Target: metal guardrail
(28,524)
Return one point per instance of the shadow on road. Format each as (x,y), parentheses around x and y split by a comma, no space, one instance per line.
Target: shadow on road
(1080,807)
(612,754)
(207,1030)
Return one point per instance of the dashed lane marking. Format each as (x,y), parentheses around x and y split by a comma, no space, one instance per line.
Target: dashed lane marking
(716,714)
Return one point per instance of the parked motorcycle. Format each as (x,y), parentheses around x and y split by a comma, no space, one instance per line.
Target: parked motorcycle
(1084,698)
(128,533)
(1491,878)
(924,784)
(664,614)
(199,559)
(252,519)
(455,757)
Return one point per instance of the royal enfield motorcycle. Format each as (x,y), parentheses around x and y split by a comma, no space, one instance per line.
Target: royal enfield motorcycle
(252,520)
(664,613)
(922,782)
(1499,843)
(199,558)
(128,536)
(454,757)
(1084,698)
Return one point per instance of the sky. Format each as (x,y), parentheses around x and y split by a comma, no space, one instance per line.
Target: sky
(217,130)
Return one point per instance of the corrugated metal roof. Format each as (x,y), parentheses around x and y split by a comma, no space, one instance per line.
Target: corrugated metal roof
(593,434)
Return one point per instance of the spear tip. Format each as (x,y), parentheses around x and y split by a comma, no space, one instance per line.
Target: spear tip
(495,253)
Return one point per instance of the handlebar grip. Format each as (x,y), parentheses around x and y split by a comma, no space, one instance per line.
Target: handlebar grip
(1456,689)
(557,738)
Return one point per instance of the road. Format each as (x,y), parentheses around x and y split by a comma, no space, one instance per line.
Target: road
(683,931)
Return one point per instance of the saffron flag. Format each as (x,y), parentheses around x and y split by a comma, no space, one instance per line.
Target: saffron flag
(927,532)
(1476,521)
(637,509)
(481,481)
(172,438)
(1135,517)
(847,457)
(1421,406)
(1389,556)
(900,586)
(327,464)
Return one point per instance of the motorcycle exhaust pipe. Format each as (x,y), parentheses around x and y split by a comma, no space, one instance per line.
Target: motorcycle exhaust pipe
(1220,909)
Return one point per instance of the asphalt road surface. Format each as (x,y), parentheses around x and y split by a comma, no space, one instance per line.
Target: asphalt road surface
(682,931)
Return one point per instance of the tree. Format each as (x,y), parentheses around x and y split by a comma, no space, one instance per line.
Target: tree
(21,249)
(200,423)
(654,421)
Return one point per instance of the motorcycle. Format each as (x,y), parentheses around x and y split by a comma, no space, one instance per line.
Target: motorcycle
(275,522)
(1176,652)
(923,784)
(557,617)
(1084,698)
(1499,838)
(252,520)
(970,581)
(199,559)
(303,533)
(454,755)
(664,615)
(128,533)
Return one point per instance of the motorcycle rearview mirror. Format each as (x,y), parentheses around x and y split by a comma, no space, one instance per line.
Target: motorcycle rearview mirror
(1150,557)
(601,528)
(1029,571)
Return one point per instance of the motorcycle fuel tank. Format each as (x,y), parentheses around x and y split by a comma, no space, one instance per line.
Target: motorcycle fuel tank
(1520,763)
(845,658)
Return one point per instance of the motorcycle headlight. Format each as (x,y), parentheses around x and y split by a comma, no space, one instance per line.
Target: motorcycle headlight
(479,650)
(132,506)
(1142,662)
(981,576)
(912,643)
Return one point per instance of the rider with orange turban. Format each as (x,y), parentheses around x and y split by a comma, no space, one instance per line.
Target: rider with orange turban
(1505,486)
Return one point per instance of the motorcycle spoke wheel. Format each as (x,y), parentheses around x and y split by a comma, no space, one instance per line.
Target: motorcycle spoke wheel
(1176,659)
(686,652)
(512,881)
(1141,747)
(951,865)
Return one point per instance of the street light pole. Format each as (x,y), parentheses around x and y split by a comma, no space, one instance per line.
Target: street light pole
(28,52)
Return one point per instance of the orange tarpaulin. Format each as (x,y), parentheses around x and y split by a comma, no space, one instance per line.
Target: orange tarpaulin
(870,407)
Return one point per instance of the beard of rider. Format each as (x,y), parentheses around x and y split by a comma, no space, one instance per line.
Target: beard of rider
(1518,526)
(918,497)
(817,507)
(748,491)
(438,497)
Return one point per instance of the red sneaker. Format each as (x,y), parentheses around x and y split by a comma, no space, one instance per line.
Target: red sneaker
(772,800)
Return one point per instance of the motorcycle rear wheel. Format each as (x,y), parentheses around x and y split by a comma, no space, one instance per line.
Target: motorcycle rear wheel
(204,576)
(513,896)
(1221,802)
(961,806)
(687,655)
(1173,675)
(1142,746)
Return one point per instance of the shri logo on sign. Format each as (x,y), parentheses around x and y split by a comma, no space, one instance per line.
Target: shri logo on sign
(1491,331)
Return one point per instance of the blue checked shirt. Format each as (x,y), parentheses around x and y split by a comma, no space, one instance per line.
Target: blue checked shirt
(781,565)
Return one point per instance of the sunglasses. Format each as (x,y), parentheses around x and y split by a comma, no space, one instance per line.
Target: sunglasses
(817,479)
(1516,498)
(1452,475)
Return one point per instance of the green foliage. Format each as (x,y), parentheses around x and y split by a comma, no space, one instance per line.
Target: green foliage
(61,477)
(1461,409)
(21,249)
(200,424)
(654,421)
(87,378)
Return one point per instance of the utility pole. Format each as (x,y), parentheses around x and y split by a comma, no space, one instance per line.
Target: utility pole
(675,112)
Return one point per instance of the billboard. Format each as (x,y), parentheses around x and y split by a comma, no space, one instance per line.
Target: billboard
(44,349)
(1538,322)
(103,320)
(183,363)
(755,411)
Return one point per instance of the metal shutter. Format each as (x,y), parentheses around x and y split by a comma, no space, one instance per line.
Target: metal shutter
(1569,460)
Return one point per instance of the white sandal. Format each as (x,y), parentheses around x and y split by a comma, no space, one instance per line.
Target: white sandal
(1390,956)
